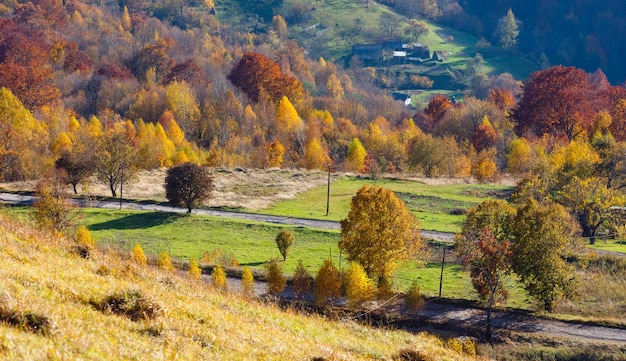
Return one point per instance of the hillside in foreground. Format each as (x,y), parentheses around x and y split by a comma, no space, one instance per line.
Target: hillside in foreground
(55,304)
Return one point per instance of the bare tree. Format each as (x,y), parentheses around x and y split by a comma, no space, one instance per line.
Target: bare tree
(389,24)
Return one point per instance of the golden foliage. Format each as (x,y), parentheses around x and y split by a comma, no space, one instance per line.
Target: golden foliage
(356,156)
(327,283)
(194,272)
(358,287)
(247,283)
(164,262)
(138,256)
(218,279)
(379,231)
(276,281)
(84,237)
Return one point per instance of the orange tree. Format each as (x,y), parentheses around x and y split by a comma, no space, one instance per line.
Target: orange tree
(379,232)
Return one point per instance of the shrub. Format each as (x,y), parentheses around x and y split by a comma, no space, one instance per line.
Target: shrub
(84,238)
(218,279)
(188,185)
(52,209)
(301,280)
(284,240)
(327,283)
(164,262)
(194,271)
(27,321)
(413,298)
(131,304)
(357,285)
(138,256)
(412,355)
(275,279)
(247,283)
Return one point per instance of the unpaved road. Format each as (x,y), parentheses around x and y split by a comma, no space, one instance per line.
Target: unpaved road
(333,225)
(453,316)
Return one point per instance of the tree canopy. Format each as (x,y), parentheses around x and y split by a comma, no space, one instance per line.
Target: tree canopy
(379,232)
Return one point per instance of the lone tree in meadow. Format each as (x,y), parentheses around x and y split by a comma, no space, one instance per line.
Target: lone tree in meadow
(188,185)
(379,232)
(284,240)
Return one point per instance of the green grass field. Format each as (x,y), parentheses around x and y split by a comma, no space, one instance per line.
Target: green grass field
(613,245)
(431,204)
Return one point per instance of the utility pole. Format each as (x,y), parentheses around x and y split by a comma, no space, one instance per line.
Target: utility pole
(443,260)
(328,192)
(121,185)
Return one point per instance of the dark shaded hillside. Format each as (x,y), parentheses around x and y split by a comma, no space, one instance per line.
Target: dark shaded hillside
(586,34)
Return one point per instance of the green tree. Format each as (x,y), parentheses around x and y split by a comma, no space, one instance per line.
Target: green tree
(379,232)
(276,281)
(188,184)
(358,287)
(284,240)
(413,299)
(327,283)
(543,239)
(507,31)
(496,215)
(301,280)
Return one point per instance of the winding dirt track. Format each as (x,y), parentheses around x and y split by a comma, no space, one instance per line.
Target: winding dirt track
(434,312)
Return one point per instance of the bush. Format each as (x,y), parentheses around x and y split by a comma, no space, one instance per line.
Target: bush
(247,283)
(301,280)
(413,298)
(218,279)
(284,240)
(138,256)
(27,321)
(84,238)
(131,304)
(164,262)
(276,282)
(327,283)
(52,209)
(194,271)
(358,287)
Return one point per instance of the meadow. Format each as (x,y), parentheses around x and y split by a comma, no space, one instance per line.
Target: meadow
(438,207)
(51,307)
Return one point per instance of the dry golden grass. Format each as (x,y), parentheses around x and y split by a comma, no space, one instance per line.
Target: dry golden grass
(252,189)
(40,274)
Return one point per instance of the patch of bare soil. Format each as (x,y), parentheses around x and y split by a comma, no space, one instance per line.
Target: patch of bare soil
(252,189)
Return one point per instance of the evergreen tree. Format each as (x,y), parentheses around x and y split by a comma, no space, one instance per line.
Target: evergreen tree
(507,31)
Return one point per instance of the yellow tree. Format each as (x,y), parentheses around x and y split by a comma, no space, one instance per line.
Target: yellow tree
(274,153)
(358,286)
(327,283)
(314,155)
(379,232)
(181,100)
(22,139)
(287,118)
(356,156)
(520,157)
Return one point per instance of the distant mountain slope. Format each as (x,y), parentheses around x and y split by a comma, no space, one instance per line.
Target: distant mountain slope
(586,34)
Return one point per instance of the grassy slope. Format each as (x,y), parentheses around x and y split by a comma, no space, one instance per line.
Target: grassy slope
(39,275)
(430,203)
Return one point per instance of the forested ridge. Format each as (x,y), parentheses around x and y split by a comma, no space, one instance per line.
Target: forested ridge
(106,89)
(587,34)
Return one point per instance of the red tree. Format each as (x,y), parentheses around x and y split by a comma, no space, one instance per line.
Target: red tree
(558,100)
(256,73)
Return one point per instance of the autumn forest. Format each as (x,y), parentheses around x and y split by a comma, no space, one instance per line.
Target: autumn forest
(106,88)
